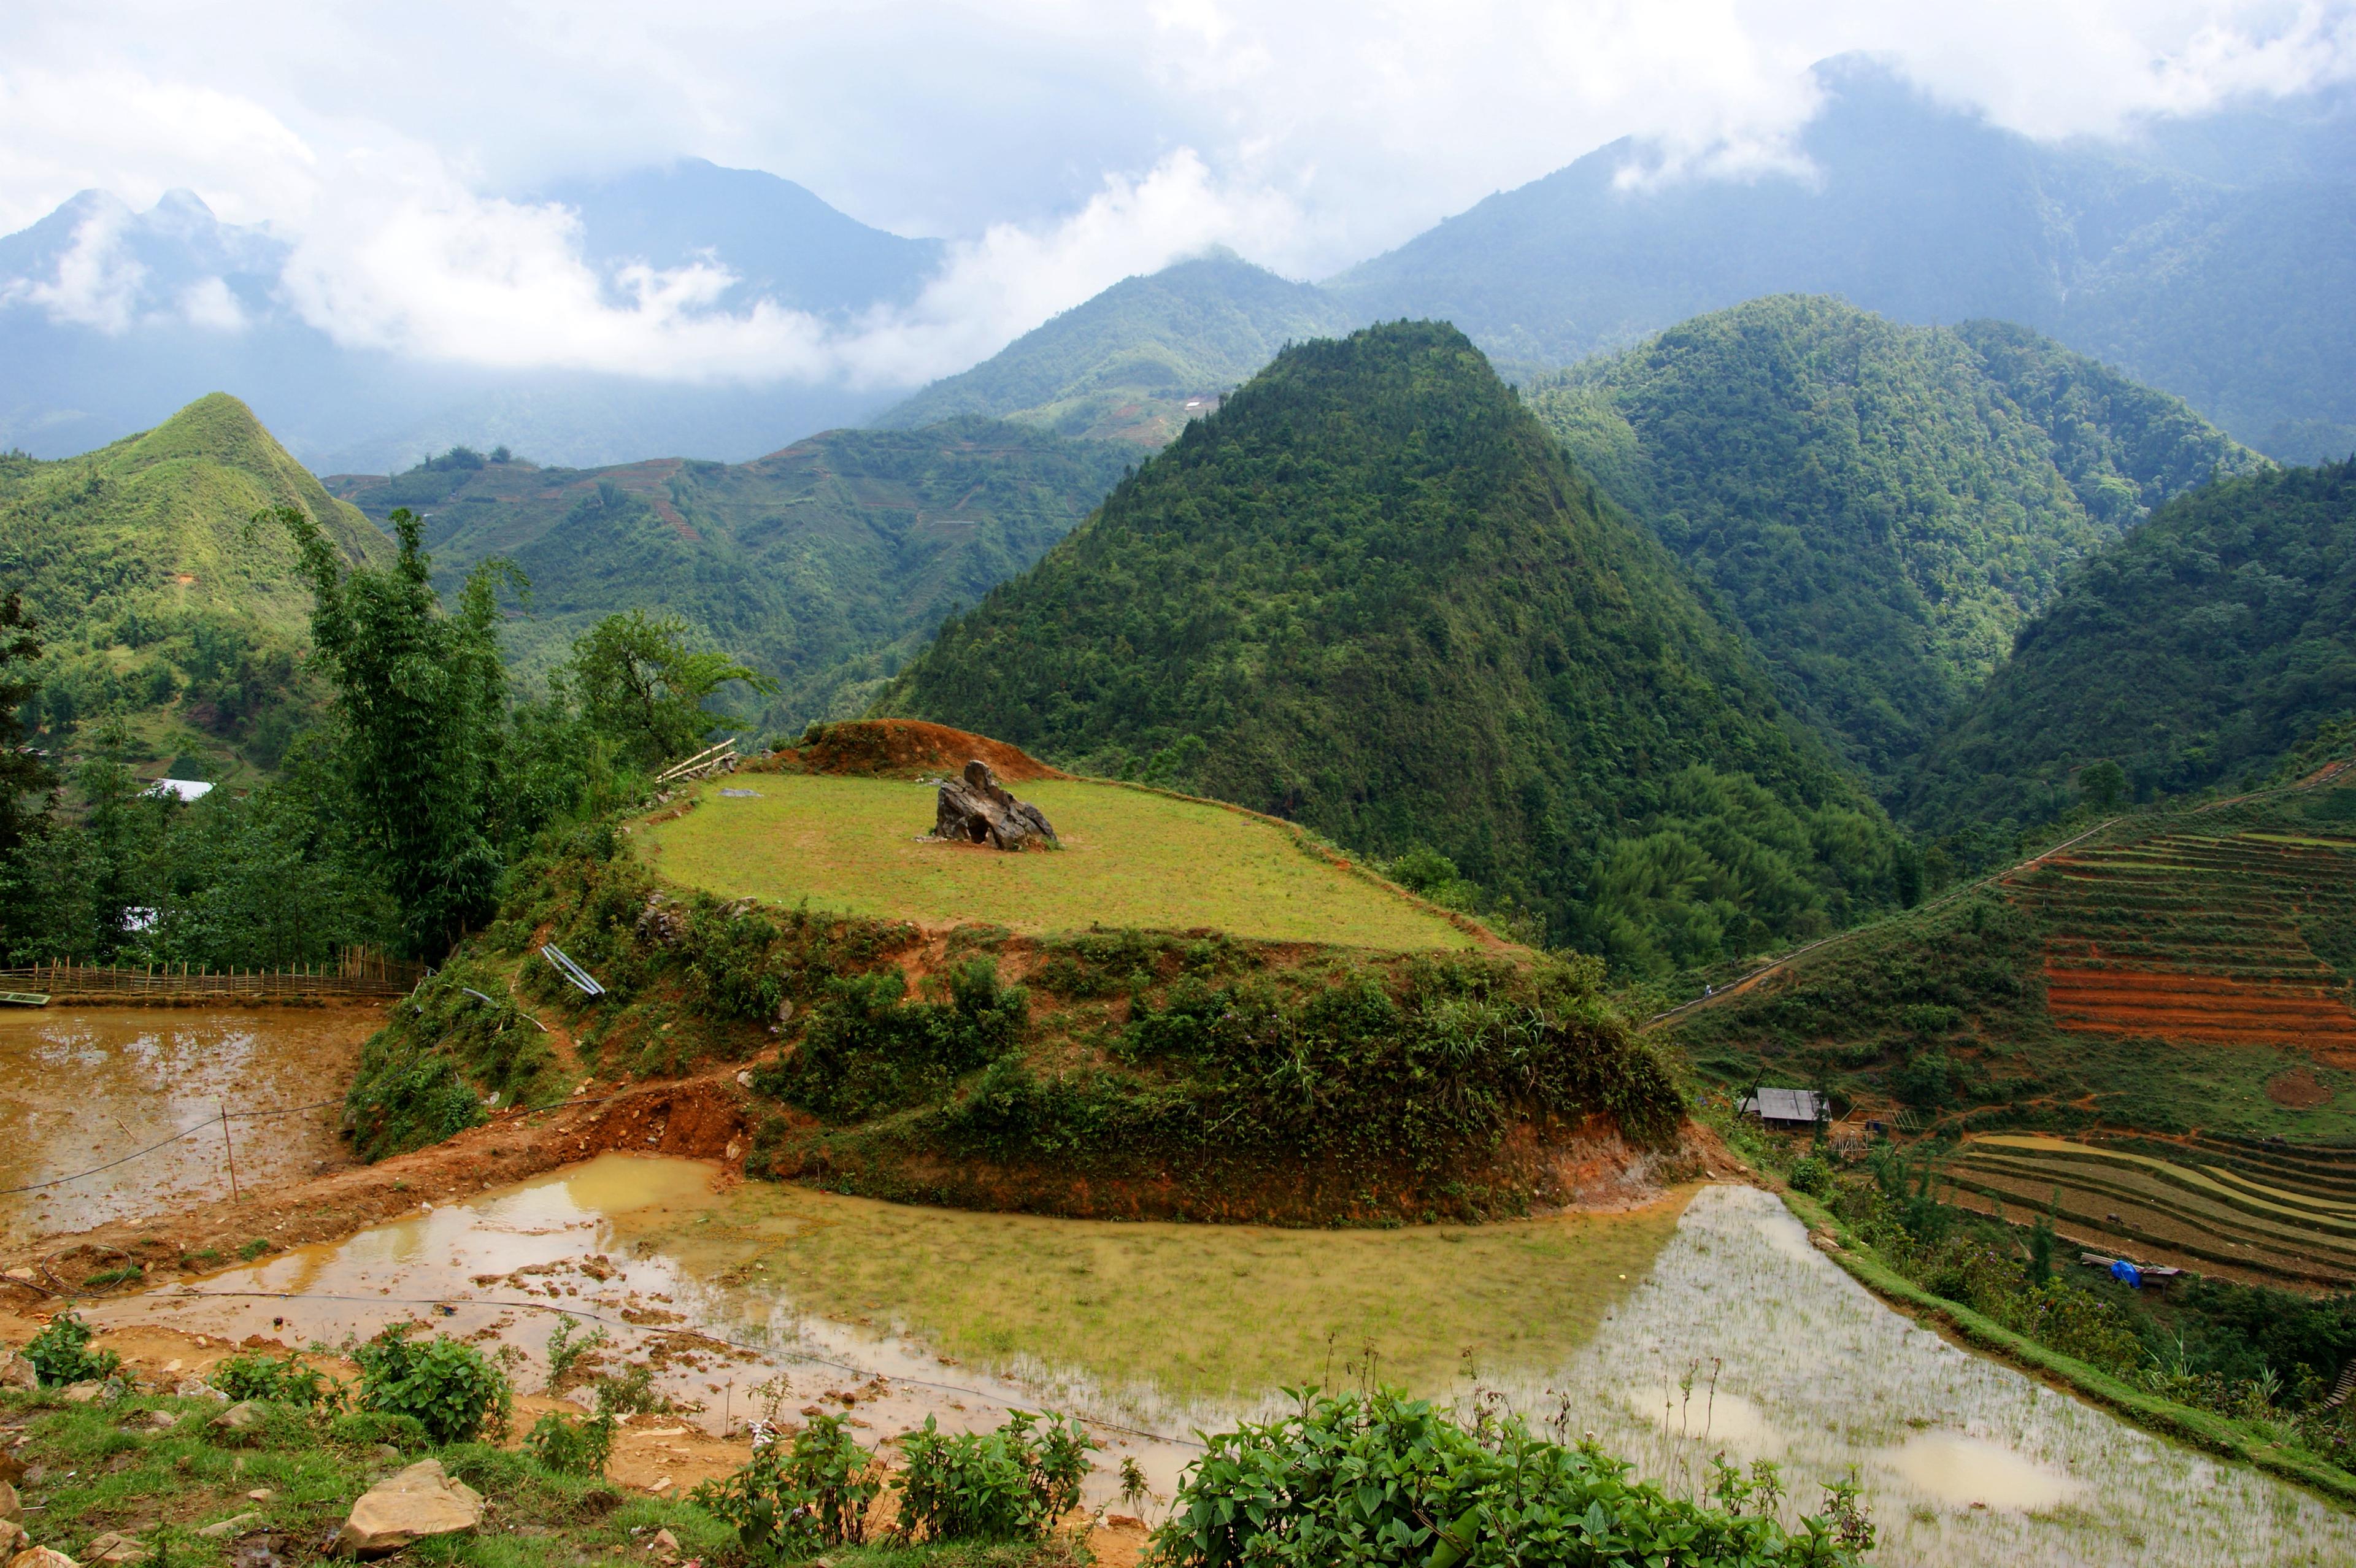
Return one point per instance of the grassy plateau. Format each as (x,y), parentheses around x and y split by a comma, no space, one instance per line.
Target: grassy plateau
(1130,857)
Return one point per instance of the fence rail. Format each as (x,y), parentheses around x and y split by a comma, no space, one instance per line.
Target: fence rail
(358,974)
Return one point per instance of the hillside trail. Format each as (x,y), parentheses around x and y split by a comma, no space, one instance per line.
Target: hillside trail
(2315,780)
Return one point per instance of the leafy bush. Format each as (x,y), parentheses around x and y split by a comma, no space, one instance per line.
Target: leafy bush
(60,1353)
(406,1096)
(868,1052)
(284,1379)
(630,1392)
(1811,1174)
(795,1497)
(1012,1484)
(566,1349)
(448,1386)
(1384,1480)
(571,1447)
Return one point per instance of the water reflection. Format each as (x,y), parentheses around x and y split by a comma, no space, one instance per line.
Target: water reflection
(79,1087)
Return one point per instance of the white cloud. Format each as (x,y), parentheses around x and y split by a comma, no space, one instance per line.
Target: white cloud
(1069,143)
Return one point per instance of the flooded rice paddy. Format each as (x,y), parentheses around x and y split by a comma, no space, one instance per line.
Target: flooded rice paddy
(83,1087)
(1160,1329)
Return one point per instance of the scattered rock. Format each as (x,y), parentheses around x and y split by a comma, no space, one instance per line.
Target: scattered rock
(42,1557)
(664,1544)
(976,810)
(11,1468)
(1123,1521)
(113,1549)
(13,1539)
(260,1551)
(83,1392)
(385,1453)
(19,1375)
(259,1495)
(155,1420)
(11,1505)
(405,1508)
(196,1388)
(662,1485)
(242,1416)
(235,1524)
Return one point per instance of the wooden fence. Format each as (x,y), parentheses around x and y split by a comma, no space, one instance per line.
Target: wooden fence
(359,972)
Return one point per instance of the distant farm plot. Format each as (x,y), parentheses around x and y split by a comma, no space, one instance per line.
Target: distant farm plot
(1130,857)
(2275,1210)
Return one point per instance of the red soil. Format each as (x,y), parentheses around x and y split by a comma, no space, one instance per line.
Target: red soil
(2208,1008)
(907,748)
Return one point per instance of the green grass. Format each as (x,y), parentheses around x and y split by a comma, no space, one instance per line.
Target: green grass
(1196,1311)
(1130,857)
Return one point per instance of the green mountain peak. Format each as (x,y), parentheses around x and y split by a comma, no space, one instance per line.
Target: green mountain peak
(1372,593)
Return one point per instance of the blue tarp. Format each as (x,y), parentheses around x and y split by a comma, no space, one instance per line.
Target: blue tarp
(2126,1273)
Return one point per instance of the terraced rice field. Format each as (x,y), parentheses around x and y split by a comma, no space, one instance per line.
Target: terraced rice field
(2200,937)
(2275,1210)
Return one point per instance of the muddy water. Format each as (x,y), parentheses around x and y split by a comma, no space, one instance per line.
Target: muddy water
(80,1087)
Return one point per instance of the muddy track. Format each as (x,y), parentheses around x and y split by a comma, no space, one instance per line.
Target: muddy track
(701,1117)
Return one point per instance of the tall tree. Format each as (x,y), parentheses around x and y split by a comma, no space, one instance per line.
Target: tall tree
(421,695)
(23,770)
(639,684)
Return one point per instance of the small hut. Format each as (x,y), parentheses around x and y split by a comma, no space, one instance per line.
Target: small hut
(1786,1110)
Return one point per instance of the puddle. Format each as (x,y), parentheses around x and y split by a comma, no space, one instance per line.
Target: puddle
(81,1086)
(1713,1418)
(1968,1472)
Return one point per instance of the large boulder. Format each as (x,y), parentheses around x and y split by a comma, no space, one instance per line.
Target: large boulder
(406,1507)
(976,809)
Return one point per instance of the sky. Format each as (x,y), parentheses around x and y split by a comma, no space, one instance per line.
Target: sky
(1058,144)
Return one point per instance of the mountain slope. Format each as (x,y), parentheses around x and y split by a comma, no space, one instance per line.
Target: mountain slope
(1878,507)
(823,565)
(2234,295)
(1370,593)
(1139,360)
(158,598)
(2200,647)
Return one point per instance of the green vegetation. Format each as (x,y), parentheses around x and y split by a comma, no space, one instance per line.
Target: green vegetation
(793,1497)
(60,1353)
(2194,652)
(1378,1479)
(824,566)
(161,605)
(569,1447)
(1012,1483)
(1127,363)
(447,1386)
(1878,507)
(1130,857)
(1370,594)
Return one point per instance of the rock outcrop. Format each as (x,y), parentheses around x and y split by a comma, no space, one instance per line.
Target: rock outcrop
(406,1507)
(976,809)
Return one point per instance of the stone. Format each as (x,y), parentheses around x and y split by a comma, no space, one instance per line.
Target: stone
(113,1549)
(42,1557)
(196,1388)
(235,1524)
(12,1468)
(242,1416)
(83,1392)
(155,1420)
(13,1539)
(1123,1521)
(664,1544)
(11,1505)
(406,1507)
(976,809)
(19,1375)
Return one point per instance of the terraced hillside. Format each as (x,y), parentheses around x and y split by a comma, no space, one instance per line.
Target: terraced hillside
(2276,1211)
(2200,936)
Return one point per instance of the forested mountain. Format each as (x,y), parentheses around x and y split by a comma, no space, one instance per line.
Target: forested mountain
(1139,359)
(159,600)
(2231,291)
(2193,651)
(1879,507)
(823,565)
(1373,594)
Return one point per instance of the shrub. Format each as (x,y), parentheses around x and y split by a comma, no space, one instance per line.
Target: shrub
(405,1097)
(1387,1480)
(631,1392)
(1812,1177)
(60,1353)
(571,1447)
(284,1379)
(868,1052)
(566,1349)
(1012,1484)
(792,1498)
(450,1388)
(366,1428)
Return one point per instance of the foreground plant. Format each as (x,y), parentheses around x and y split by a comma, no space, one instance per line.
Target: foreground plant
(447,1386)
(1384,1480)
(60,1353)
(1012,1484)
(795,1497)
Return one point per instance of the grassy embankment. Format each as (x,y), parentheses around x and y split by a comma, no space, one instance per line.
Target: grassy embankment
(1190,1012)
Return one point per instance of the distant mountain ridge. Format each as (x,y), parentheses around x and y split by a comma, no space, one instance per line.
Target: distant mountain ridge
(1879,507)
(1139,359)
(823,565)
(2234,297)
(1371,593)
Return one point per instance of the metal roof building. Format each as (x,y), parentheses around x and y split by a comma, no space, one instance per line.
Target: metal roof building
(1793,1107)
